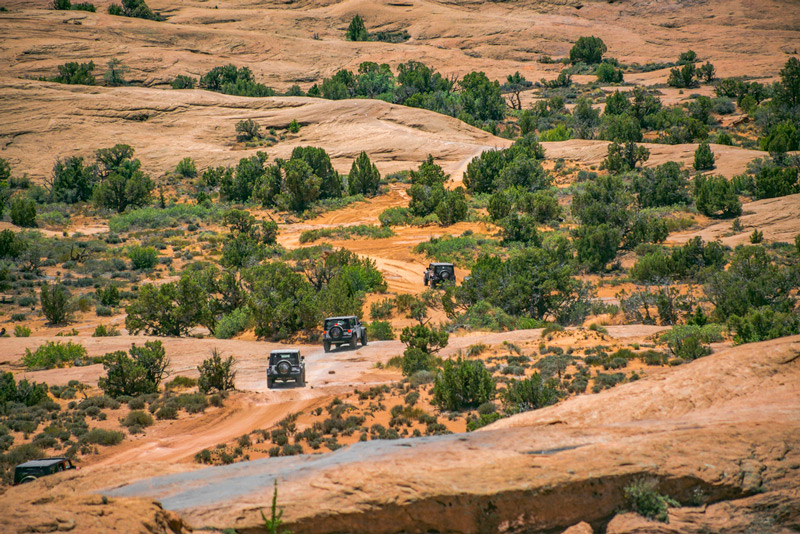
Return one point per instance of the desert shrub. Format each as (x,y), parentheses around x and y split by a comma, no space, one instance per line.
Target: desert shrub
(380,331)
(607,73)
(137,418)
(232,324)
(183,82)
(597,245)
(773,181)
(23,212)
(247,129)
(108,295)
(181,382)
(134,8)
(607,380)
(75,73)
(186,168)
(167,411)
(529,394)
(643,498)
(690,342)
(106,331)
(139,373)
(764,323)
(22,331)
(683,77)
(357,31)
(100,436)
(463,384)
(143,258)
(152,217)
(50,355)
(715,196)
(216,373)
(703,158)
(496,280)
(381,309)
(364,177)
(587,50)
(55,300)
(753,280)
(666,185)
(347,232)
(192,402)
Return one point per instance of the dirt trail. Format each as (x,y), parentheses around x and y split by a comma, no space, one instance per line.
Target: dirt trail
(717,429)
(253,406)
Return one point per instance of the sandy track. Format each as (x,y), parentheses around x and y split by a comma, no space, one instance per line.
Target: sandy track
(253,406)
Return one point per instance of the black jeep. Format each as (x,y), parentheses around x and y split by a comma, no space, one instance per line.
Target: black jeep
(343,330)
(30,471)
(286,365)
(436,273)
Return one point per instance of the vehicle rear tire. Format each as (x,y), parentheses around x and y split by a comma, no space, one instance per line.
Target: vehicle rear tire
(364,338)
(27,479)
(270,383)
(353,342)
(326,345)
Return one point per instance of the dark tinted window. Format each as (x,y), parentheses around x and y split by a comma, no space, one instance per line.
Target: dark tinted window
(289,357)
(330,323)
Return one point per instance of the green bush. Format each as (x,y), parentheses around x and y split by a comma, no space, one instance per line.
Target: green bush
(381,309)
(181,382)
(703,158)
(607,73)
(347,232)
(137,374)
(357,31)
(587,50)
(232,324)
(186,168)
(216,373)
(134,8)
(100,436)
(50,355)
(529,394)
(23,212)
(22,331)
(715,196)
(183,82)
(463,384)
(55,300)
(764,323)
(75,73)
(643,498)
(106,331)
(137,418)
(161,218)
(690,342)
(364,177)
(380,331)
(143,258)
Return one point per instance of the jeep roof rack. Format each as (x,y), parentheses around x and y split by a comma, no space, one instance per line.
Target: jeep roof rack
(284,351)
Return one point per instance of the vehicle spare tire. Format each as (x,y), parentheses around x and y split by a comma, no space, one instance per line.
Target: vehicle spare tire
(445,275)
(284,367)
(336,332)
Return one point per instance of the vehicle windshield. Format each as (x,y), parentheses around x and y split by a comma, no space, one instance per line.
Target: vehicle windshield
(343,323)
(290,357)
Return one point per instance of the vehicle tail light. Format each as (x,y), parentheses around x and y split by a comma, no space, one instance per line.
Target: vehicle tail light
(324,332)
(348,331)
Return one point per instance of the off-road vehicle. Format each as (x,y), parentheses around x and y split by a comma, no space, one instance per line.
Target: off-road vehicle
(286,365)
(436,273)
(30,471)
(343,331)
